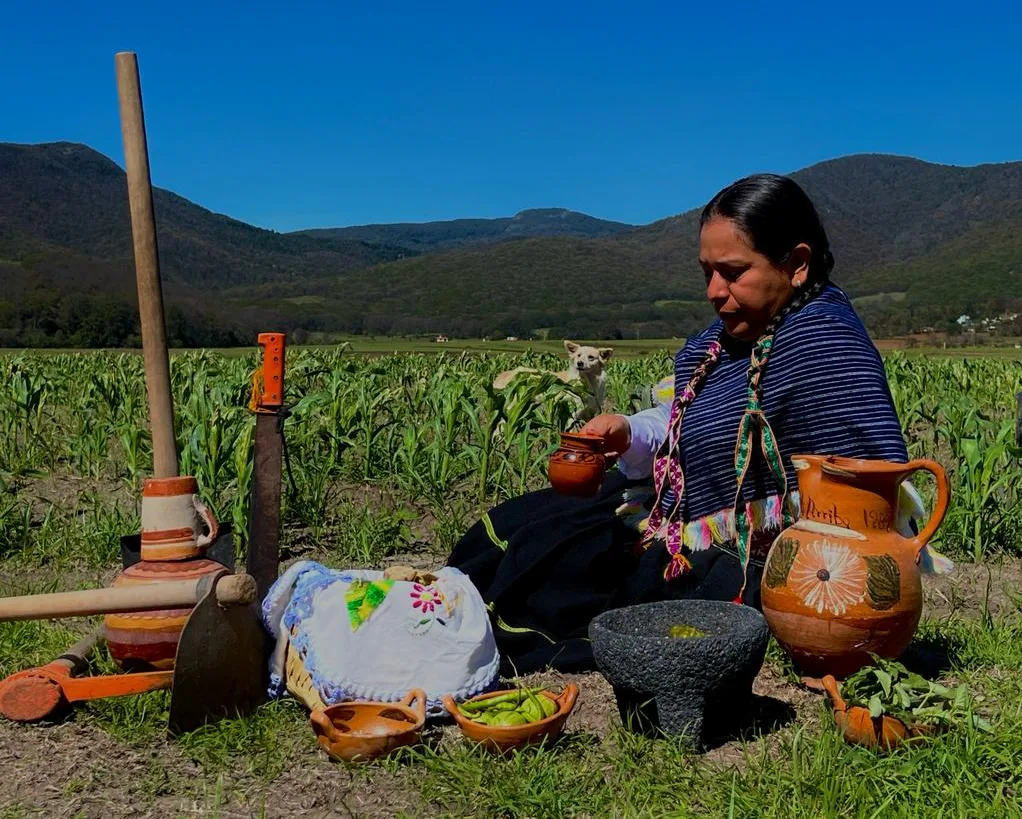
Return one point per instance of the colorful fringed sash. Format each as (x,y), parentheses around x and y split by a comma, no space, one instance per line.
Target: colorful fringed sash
(754,428)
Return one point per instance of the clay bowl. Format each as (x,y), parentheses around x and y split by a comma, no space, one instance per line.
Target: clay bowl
(361,731)
(578,466)
(859,728)
(503,739)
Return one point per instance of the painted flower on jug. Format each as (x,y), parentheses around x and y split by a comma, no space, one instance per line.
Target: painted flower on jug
(426,598)
(828,576)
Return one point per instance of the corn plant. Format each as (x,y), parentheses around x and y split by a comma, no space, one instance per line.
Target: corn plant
(433,430)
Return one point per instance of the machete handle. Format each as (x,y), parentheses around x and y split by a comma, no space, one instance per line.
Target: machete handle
(271,388)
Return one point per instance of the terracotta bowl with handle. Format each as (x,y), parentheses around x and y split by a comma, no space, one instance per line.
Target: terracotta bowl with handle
(859,728)
(504,739)
(359,731)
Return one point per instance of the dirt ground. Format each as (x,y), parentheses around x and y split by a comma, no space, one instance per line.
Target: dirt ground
(75,768)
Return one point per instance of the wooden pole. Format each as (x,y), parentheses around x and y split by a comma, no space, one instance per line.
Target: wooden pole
(231,589)
(147,266)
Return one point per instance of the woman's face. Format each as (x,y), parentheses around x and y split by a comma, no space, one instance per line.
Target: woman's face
(744,286)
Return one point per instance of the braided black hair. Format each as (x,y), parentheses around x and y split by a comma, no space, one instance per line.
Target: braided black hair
(775,214)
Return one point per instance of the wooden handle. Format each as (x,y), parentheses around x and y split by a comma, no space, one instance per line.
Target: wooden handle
(239,589)
(77,656)
(147,267)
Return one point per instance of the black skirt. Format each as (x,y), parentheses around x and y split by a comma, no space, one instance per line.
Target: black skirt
(561,561)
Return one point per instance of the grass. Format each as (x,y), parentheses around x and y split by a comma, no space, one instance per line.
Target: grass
(804,769)
(807,771)
(61,515)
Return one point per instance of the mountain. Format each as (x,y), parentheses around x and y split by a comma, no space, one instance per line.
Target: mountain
(906,235)
(70,199)
(65,245)
(424,237)
(916,244)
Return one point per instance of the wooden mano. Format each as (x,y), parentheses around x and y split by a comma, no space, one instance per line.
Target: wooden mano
(842,582)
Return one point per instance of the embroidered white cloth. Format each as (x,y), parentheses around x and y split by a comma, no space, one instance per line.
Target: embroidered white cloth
(366,637)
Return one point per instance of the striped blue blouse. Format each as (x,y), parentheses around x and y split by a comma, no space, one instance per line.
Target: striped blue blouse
(824,392)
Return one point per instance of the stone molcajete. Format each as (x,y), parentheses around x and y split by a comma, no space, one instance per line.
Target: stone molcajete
(841,582)
(578,466)
(697,683)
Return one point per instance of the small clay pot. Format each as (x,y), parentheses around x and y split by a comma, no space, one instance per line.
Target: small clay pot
(504,738)
(859,728)
(361,731)
(578,466)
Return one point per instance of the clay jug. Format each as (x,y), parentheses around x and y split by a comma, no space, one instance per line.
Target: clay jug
(841,582)
(176,529)
(578,466)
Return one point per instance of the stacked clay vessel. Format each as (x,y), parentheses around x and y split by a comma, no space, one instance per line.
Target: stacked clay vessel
(176,529)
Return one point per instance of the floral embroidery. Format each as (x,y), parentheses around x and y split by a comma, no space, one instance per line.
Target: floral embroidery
(426,598)
(828,575)
(363,597)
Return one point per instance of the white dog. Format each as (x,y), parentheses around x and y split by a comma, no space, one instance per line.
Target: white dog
(586,364)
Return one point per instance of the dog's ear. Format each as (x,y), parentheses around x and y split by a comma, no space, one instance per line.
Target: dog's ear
(570,346)
(605,353)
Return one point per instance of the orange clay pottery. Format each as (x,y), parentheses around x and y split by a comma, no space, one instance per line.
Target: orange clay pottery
(578,466)
(504,739)
(362,731)
(841,582)
(859,728)
(176,529)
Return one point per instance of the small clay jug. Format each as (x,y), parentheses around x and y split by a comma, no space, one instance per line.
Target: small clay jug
(842,582)
(176,524)
(578,466)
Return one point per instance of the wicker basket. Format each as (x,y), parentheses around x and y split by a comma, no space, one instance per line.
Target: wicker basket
(297,679)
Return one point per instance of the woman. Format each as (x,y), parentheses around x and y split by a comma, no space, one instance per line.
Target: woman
(786,368)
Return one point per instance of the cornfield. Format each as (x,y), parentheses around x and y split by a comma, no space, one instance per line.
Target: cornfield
(427,429)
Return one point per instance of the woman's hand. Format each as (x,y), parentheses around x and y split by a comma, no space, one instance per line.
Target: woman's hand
(615,431)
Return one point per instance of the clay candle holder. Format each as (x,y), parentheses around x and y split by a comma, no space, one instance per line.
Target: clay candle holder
(578,466)
(360,731)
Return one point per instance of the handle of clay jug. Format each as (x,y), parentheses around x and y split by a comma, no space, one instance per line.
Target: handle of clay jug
(418,696)
(202,541)
(940,506)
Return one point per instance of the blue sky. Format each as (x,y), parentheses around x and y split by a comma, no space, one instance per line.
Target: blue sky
(292,115)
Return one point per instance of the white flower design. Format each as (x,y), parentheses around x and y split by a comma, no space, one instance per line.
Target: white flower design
(828,576)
